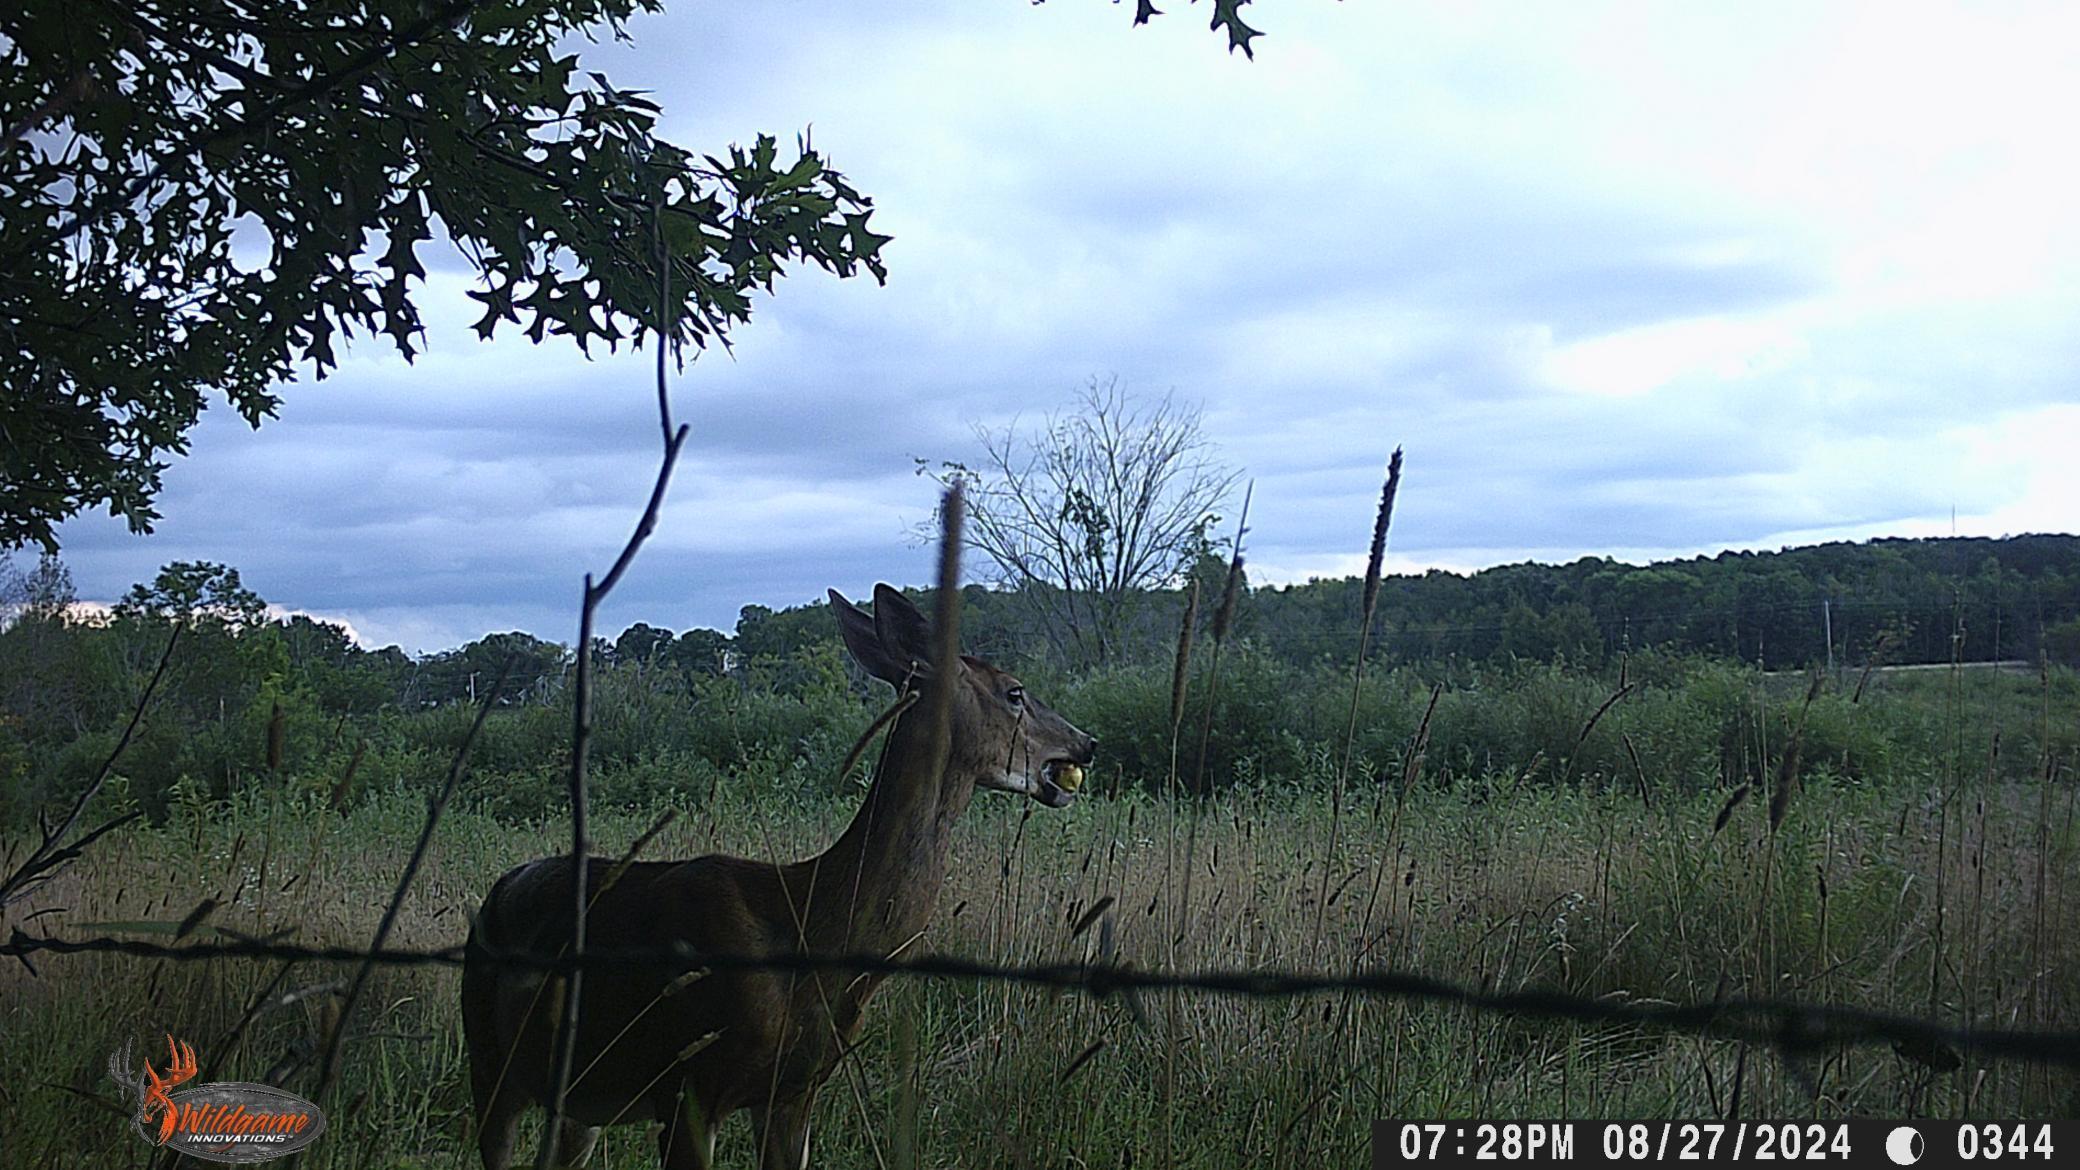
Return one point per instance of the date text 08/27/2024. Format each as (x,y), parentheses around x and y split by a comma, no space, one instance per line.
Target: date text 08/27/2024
(1402,1145)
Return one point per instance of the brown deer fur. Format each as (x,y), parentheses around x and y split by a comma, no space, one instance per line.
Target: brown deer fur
(688,1052)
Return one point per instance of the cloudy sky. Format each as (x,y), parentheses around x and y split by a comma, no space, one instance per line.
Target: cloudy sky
(1636,281)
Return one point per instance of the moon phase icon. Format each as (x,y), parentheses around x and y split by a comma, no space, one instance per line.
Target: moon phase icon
(1904,1146)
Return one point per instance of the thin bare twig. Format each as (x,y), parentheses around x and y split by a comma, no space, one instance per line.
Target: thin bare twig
(328,1065)
(44,860)
(1567,770)
(581,713)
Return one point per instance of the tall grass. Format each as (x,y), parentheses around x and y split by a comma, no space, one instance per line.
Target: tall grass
(1909,848)
(1498,884)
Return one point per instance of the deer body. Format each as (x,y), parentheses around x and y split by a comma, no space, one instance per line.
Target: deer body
(689,1051)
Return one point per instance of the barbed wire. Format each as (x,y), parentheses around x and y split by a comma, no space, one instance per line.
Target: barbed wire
(1793,1028)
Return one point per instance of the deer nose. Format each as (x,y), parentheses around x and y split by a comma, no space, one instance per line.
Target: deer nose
(1090,749)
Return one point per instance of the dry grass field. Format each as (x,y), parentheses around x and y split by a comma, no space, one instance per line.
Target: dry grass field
(1949,896)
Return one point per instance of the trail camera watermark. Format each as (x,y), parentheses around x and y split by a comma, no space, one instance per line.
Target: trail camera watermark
(220,1121)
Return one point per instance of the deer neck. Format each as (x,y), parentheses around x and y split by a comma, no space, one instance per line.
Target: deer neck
(875,888)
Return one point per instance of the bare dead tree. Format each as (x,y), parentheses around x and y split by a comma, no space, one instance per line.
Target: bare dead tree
(1105,499)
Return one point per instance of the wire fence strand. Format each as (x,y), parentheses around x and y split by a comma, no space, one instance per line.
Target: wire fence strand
(1792,1028)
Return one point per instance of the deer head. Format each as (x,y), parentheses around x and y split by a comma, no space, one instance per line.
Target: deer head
(1002,737)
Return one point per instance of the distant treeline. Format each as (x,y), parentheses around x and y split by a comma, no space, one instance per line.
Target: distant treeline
(1897,601)
(1926,600)
(1523,658)
(1900,601)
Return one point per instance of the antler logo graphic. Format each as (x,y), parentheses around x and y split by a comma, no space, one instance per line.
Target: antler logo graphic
(152,1088)
(223,1121)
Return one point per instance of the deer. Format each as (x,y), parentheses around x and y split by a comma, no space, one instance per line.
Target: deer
(687,1050)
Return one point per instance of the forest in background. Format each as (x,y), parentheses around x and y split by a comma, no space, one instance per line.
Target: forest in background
(1520,658)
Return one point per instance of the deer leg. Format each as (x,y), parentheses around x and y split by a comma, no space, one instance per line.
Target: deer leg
(497,1105)
(498,1128)
(574,1142)
(497,1102)
(783,1133)
(687,1141)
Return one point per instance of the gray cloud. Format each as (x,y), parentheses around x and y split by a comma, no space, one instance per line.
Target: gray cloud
(1606,308)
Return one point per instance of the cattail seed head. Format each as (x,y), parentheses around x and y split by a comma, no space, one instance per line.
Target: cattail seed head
(1181,670)
(1225,615)
(946,622)
(1379,534)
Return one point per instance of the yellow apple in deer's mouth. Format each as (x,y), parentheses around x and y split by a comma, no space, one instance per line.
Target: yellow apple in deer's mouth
(1068,777)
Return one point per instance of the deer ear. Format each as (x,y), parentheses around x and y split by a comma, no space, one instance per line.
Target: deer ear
(904,632)
(864,642)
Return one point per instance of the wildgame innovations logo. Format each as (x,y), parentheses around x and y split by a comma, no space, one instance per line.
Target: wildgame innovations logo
(220,1121)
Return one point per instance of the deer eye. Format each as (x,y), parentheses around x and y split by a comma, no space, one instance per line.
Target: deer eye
(1016,696)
